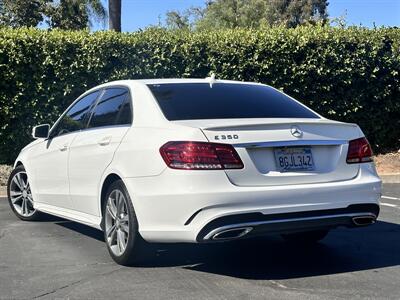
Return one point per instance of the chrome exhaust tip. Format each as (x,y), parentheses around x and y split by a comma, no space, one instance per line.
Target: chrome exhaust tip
(364,220)
(231,234)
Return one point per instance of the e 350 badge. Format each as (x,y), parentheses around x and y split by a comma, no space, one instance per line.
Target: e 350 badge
(226,137)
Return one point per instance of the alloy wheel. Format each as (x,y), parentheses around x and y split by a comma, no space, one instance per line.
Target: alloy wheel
(21,195)
(117,222)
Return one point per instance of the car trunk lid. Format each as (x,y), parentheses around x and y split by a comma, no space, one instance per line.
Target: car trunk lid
(262,144)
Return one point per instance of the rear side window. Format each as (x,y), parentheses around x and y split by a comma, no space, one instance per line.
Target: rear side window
(113,108)
(189,101)
(76,117)
(125,115)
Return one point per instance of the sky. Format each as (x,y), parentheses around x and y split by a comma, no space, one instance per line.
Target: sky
(138,14)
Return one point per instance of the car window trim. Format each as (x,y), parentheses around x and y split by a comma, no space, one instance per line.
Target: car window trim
(128,96)
(92,108)
(100,90)
(90,113)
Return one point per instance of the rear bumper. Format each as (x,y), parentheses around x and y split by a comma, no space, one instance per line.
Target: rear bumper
(179,206)
(256,224)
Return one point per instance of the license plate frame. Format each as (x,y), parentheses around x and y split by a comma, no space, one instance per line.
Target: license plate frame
(294,159)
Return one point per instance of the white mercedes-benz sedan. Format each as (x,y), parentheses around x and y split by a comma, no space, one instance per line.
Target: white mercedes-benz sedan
(195,160)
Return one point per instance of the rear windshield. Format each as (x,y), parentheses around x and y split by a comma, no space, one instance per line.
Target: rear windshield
(190,101)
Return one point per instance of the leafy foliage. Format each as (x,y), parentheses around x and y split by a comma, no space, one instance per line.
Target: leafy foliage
(17,13)
(177,20)
(350,74)
(219,14)
(63,14)
(74,14)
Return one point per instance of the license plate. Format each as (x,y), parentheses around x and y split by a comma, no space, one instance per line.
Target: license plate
(294,159)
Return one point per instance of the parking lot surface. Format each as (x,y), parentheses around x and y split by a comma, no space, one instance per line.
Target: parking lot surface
(56,258)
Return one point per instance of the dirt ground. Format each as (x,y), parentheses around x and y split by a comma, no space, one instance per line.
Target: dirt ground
(4,173)
(386,164)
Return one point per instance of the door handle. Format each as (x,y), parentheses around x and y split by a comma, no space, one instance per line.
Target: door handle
(64,147)
(105,141)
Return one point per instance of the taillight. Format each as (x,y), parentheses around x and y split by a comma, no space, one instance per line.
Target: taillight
(200,156)
(359,151)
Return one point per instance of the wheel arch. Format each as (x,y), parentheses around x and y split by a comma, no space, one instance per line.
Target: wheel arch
(18,163)
(108,180)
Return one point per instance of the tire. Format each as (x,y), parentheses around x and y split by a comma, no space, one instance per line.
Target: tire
(308,237)
(20,195)
(123,228)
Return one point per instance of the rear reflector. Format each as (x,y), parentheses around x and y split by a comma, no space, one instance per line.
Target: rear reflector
(200,156)
(359,151)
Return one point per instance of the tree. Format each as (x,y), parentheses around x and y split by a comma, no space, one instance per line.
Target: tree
(186,19)
(292,13)
(250,14)
(74,14)
(234,14)
(64,14)
(177,20)
(17,13)
(114,11)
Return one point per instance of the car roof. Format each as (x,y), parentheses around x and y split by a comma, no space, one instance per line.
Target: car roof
(146,108)
(186,80)
(169,80)
(145,82)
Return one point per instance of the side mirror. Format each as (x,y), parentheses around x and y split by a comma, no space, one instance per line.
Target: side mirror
(41,131)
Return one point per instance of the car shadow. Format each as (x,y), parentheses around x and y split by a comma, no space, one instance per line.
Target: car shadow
(46,218)
(343,250)
(82,229)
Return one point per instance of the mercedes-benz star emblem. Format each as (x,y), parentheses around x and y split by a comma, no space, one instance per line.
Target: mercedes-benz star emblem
(296,131)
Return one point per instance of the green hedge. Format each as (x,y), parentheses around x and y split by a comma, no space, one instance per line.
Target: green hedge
(345,74)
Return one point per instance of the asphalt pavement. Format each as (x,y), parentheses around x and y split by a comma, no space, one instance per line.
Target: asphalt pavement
(56,258)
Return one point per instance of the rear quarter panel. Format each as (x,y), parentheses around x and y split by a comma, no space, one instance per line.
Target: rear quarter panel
(139,152)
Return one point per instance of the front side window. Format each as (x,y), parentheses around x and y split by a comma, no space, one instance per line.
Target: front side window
(190,101)
(76,117)
(113,108)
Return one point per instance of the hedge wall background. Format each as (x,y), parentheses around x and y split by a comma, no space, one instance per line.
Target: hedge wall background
(350,74)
